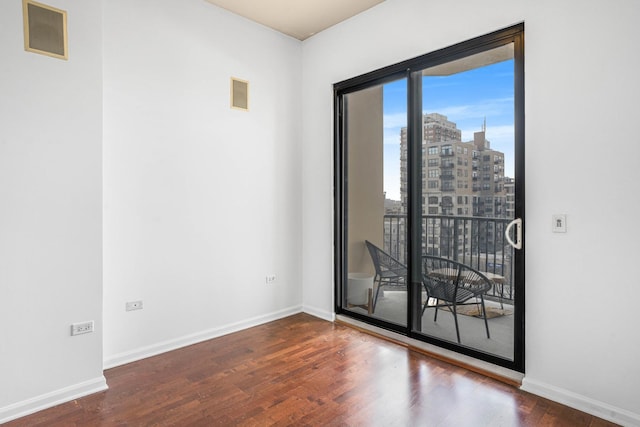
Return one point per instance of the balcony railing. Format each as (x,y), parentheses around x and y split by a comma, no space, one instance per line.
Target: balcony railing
(476,241)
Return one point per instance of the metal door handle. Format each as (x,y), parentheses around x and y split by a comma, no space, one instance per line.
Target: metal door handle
(518,243)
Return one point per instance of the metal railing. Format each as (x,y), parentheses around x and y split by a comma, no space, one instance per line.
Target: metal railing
(475,241)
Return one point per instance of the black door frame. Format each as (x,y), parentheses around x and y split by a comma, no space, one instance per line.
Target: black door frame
(411,70)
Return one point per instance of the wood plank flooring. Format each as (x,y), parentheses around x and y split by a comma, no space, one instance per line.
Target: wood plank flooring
(303,371)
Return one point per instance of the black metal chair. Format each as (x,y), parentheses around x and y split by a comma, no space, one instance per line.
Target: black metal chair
(389,271)
(453,284)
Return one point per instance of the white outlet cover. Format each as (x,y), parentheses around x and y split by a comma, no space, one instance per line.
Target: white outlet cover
(82,328)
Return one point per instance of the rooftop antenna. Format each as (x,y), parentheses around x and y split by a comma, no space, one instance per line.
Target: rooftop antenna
(484,125)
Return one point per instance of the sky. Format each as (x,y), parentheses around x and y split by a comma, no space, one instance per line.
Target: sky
(466,99)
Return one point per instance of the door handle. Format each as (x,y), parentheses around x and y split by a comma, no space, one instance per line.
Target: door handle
(518,243)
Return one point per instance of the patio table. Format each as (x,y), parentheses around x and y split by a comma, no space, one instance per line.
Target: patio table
(451,273)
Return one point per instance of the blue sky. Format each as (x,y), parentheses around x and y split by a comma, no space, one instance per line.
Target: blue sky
(466,99)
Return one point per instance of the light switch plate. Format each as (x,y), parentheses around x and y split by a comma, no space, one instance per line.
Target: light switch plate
(559,223)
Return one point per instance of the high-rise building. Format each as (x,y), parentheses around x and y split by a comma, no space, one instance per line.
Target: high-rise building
(510,197)
(459,179)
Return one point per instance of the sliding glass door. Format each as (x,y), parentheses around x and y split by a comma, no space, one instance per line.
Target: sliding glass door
(374,117)
(429,195)
(468,200)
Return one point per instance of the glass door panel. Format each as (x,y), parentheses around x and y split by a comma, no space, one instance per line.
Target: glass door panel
(429,178)
(376,274)
(468,199)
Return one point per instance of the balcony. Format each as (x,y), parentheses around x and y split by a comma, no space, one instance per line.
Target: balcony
(392,307)
(447,165)
(446,154)
(475,241)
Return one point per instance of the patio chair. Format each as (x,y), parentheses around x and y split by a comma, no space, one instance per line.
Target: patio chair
(389,271)
(453,284)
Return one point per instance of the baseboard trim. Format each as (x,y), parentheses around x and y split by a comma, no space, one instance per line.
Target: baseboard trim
(319,313)
(581,403)
(48,400)
(174,344)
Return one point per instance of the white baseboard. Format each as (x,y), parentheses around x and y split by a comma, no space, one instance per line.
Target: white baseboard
(582,403)
(165,346)
(38,403)
(320,313)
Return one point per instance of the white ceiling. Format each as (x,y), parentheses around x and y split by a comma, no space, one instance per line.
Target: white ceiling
(298,18)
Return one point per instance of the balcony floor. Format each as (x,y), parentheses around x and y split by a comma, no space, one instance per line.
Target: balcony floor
(392,307)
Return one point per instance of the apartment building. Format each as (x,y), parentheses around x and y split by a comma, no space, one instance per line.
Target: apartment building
(459,178)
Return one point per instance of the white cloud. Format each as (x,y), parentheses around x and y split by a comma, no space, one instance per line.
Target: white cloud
(395,120)
(393,123)
(478,110)
(500,132)
(494,134)
(392,136)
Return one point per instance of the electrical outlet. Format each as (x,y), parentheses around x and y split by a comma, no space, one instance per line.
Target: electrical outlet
(133,305)
(81,328)
(271,278)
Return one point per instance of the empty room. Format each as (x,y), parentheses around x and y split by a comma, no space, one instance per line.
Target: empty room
(374,212)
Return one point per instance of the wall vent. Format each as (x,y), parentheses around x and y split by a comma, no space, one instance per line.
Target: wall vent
(45,29)
(239,94)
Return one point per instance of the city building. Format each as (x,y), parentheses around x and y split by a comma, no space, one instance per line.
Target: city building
(459,180)
(510,200)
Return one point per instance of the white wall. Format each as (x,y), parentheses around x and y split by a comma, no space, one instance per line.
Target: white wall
(581,159)
(50,212)
(201,201)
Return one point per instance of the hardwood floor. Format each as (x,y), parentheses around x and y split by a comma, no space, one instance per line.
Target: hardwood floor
(303,371)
